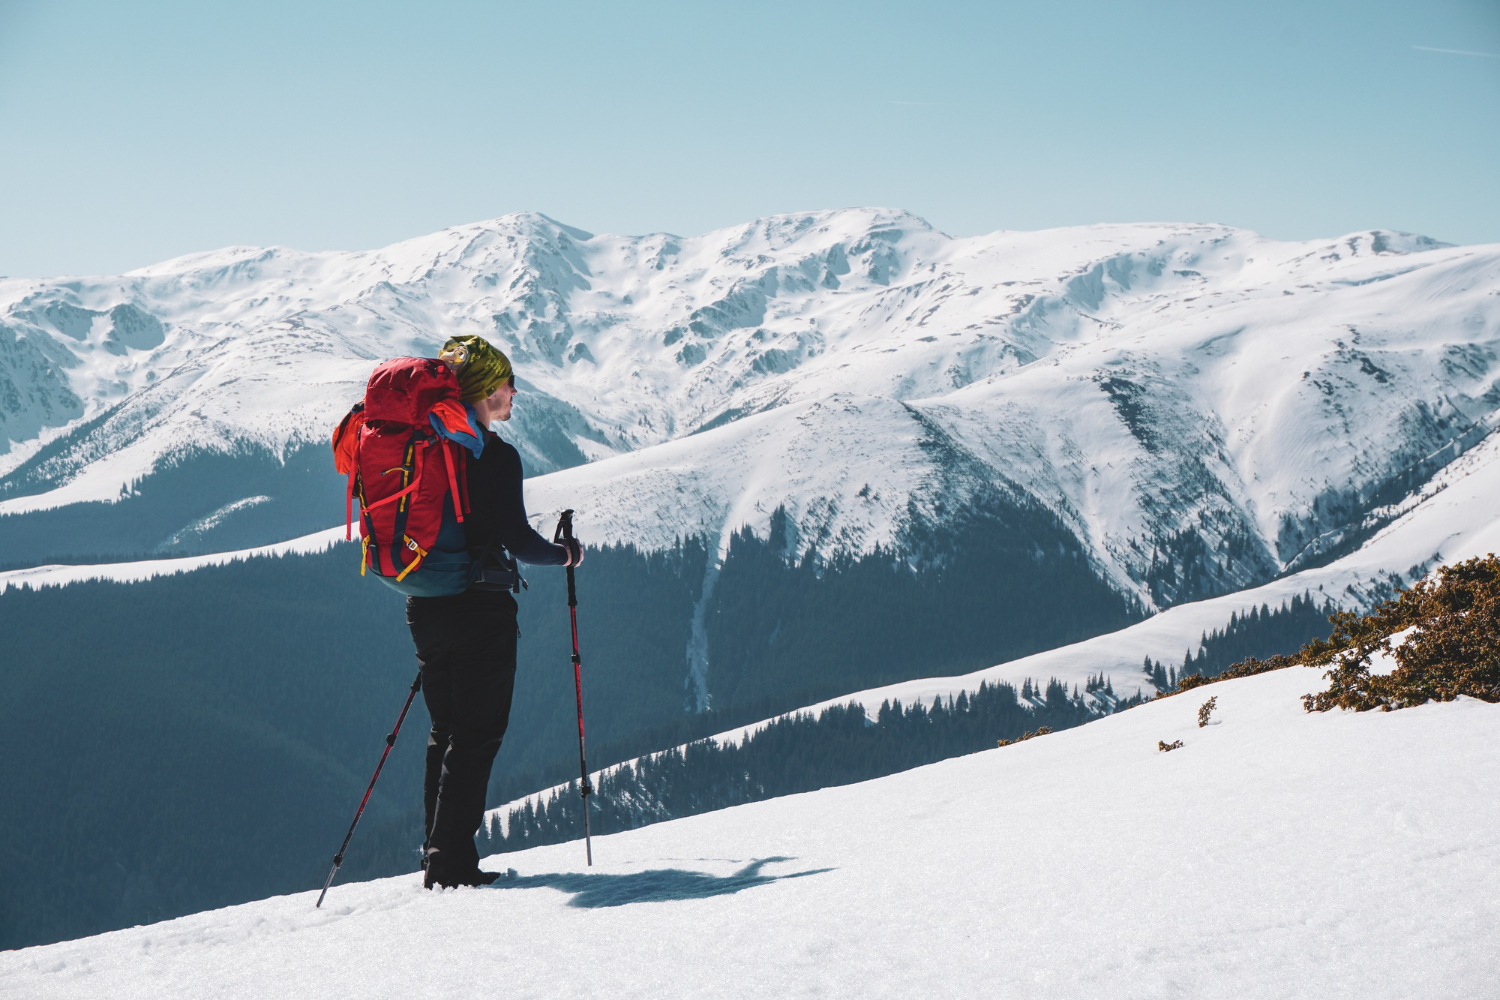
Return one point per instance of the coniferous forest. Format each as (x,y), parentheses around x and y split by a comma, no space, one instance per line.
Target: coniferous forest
(1260,632)
(795,753)
(196,740)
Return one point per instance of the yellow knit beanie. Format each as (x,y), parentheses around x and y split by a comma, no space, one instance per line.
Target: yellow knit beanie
(479,365)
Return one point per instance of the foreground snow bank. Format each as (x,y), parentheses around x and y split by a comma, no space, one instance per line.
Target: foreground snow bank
(1277,854)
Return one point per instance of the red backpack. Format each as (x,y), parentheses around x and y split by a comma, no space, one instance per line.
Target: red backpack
(405,471)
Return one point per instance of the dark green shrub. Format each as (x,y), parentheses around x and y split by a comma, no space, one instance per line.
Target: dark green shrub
(1454,648)
(1042,731)
(1248,667)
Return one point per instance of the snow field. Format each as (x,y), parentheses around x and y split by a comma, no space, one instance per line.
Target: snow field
(1277,854)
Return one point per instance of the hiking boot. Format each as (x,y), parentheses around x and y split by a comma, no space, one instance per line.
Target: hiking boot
(446,881)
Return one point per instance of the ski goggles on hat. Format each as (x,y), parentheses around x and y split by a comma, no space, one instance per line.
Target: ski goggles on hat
(481,367)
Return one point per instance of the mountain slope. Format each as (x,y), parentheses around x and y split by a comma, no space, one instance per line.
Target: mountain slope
(636,629)
(1452,518)
(1276,854)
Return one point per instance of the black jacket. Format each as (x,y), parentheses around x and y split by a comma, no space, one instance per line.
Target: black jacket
(497,509)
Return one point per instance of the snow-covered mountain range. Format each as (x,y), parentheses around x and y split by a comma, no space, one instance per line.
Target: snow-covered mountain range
(1203,408)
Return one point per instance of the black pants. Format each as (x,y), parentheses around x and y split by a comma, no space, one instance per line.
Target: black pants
(466,645)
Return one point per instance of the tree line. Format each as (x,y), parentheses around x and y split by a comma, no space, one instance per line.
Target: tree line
(797,753)
(1260,632)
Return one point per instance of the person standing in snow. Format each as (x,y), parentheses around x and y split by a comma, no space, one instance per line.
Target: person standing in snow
(466,642)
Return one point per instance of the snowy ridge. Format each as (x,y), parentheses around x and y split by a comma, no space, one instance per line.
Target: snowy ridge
(1203,408)
(847,468)
(1086,863)
(38,577)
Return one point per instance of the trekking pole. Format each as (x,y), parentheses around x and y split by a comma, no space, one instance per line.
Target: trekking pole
(564,535)
(390,741)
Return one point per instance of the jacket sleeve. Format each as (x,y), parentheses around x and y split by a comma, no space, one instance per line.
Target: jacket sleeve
(516,533)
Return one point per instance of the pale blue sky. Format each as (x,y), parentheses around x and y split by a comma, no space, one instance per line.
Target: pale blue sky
(134,132)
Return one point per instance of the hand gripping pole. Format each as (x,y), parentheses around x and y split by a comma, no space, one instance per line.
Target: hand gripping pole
(564,536)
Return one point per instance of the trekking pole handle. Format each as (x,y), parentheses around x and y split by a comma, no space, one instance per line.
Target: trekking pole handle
(564,536)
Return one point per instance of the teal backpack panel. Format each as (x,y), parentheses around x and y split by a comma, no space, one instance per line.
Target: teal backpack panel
(445,570)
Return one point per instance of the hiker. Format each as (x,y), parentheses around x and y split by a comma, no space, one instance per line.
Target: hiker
(447,533)
(466,642)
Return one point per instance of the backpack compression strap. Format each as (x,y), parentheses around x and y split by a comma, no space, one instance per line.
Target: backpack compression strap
(346,458)
(416,480)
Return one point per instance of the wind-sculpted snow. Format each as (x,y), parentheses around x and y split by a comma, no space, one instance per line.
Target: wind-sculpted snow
(1202,407)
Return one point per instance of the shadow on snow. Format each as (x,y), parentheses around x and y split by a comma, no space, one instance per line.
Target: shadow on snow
(651,886)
